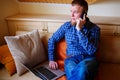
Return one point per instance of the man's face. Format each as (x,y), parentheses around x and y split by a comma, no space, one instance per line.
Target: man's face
(76,12)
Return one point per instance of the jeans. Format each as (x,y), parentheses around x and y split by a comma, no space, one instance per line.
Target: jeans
(77,68)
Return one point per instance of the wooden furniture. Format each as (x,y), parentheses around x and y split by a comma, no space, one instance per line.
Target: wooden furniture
(44,23)
(50,23)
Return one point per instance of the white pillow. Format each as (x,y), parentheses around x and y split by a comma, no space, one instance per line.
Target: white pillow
(26,49)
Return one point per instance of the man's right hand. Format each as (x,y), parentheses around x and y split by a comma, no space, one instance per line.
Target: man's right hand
(53,65)
(80,22)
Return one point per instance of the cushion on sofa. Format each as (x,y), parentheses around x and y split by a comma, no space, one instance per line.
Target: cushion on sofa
(109,49)
(26,49)
(61,53)
(43,36)
(7,60)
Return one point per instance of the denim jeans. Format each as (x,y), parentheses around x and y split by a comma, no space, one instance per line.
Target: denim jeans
(77,68)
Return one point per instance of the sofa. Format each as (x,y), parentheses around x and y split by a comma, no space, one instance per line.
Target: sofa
(108,56)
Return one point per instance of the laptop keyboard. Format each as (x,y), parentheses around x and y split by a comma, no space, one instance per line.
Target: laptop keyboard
(45,73)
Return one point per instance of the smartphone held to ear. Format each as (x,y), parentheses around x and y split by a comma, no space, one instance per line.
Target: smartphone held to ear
(84,13)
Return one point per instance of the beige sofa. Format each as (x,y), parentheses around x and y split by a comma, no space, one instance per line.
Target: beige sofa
(108,56)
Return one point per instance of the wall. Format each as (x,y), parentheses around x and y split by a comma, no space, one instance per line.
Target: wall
(7,8)
(100,8)
(44,8)
(105,8)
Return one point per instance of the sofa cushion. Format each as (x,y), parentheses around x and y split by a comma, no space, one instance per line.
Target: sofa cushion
(7,60)
(26,49)
(61,53)
(43,36)
(109,49)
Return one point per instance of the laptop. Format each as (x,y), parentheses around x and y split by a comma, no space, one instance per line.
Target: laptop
(44,72)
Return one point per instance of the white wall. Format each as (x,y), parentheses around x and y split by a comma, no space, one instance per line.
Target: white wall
(105,8)
(100,8)
(7,8)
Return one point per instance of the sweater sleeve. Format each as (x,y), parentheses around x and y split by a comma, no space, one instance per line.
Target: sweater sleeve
(56,37)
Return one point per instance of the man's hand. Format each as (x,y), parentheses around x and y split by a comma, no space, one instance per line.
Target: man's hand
(80,22)
(53,65)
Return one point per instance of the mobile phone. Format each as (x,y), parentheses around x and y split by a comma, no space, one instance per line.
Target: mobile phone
(83,13)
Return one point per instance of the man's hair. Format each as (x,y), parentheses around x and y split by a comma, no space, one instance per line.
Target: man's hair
(82,3)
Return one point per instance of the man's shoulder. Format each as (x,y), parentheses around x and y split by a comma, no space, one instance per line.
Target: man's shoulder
(90,25)
(95,27)
(67,24)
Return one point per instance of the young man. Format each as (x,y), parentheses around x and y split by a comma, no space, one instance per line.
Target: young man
(82,38)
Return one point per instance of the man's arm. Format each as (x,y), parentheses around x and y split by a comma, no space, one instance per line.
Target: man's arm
(59,34)
(56,37)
